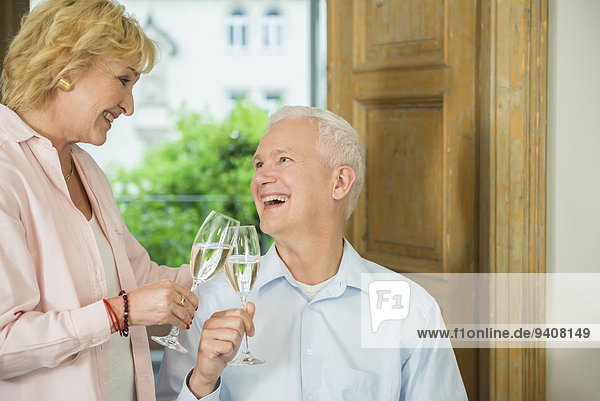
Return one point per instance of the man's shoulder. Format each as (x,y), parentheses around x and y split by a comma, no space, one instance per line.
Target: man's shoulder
(370,270)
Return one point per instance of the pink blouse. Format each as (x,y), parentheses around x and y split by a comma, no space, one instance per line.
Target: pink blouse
(54,329)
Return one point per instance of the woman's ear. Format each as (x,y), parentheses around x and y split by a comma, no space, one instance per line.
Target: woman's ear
(344,178)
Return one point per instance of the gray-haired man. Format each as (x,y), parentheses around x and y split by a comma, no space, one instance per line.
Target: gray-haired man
(309,169)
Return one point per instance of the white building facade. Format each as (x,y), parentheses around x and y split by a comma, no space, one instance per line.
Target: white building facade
(212,53)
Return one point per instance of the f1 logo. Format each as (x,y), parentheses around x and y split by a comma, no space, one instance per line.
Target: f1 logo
(389,300)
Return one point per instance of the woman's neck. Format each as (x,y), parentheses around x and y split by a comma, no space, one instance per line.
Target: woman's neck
(42,122)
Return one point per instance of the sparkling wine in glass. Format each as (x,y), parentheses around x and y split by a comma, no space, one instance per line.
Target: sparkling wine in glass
(210,250)
(242,270)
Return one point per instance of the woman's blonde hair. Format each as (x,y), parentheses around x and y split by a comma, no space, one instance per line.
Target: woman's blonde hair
(63,38)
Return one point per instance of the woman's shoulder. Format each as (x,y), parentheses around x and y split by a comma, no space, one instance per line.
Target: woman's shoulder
(12,163)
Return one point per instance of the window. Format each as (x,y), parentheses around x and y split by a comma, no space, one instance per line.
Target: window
(272,29)
(153,87)
(238,29)
(272,101)
(234,96)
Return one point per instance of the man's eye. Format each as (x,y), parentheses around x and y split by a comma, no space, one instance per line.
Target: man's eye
(258,165)
(284,159)
(124,80)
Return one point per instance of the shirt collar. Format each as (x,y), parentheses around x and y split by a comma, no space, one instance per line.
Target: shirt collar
(14,127)
(271,268)
(348,275)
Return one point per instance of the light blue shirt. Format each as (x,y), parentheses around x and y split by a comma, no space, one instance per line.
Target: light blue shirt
(312,347)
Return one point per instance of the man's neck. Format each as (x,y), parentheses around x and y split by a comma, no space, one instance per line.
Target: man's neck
(312,259)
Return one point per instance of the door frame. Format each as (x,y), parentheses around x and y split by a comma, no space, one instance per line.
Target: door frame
(11,12)
(513,66)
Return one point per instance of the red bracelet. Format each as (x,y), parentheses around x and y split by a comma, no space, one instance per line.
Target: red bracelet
(125,330)
(113,316)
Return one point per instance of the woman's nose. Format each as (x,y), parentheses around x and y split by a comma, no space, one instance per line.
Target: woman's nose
(127,104)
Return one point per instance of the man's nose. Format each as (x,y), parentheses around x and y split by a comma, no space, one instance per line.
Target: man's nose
(264,176)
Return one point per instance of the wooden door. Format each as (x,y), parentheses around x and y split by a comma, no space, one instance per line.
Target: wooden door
(11,12)
(404,73)
(449,98)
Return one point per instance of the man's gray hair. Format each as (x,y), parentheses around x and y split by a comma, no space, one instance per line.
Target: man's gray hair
(338,143)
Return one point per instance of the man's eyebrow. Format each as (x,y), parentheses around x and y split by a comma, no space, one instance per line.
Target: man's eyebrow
(275,153)
(280,151)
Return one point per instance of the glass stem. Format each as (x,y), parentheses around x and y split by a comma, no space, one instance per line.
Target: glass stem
(174,330)
(244,305)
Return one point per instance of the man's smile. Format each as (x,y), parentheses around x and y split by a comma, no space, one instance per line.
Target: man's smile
(272,201)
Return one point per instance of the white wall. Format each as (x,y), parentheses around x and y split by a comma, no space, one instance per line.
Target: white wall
(573,214)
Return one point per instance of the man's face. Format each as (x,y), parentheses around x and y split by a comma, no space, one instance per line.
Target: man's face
(291,187)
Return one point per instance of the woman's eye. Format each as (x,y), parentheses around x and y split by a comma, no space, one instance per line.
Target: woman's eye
(124,80)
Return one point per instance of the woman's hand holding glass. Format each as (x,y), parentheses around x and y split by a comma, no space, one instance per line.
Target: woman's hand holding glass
(210,251)
(158,303)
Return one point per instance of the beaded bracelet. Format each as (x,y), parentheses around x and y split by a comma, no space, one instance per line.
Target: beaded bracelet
(125,330)
(113,316)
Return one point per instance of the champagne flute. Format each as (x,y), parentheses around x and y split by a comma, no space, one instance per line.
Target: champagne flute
(210,250)
(242,270)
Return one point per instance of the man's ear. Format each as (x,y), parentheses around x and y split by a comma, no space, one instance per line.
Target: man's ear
(343,180)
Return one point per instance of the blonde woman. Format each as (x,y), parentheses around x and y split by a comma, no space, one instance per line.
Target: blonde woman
(76,289)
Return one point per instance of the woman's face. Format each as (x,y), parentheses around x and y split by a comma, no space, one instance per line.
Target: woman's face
(95,99)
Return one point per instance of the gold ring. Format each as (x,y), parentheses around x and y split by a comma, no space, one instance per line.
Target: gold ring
(182,302)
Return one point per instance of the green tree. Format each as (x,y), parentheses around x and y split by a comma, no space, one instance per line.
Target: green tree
(211,162)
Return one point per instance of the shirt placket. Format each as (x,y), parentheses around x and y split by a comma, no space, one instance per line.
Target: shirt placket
(310,355)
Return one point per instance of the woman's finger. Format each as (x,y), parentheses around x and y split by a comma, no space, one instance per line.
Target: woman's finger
(183,309)
(183,313)
(190,297)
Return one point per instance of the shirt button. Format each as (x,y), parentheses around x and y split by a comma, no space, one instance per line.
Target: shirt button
(309,351)
(95,340)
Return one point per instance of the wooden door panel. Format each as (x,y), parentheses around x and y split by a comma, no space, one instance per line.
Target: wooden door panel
(398,34)
(414,108)
(404,149)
